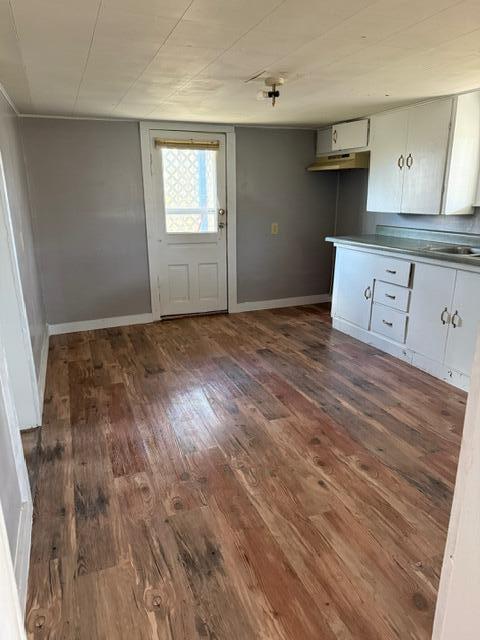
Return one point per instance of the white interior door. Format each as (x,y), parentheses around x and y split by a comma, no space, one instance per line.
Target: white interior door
(188,171)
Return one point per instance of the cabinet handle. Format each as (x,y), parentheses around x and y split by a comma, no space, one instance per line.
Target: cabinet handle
(389,324)
(367,293)
(443,318)
(392,271)
(401,162)
(455,323)
(334,136)
(389,295)
(409,161)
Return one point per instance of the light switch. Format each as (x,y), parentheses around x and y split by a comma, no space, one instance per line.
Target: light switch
(274,228)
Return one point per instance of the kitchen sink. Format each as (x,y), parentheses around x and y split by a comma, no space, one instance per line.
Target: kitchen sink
(472,252)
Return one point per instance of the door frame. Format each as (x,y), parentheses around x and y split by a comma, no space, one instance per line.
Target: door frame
(146,128)
(12,609)
(9,421)
(22,372)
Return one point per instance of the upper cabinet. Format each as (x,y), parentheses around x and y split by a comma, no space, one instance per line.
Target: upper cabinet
(425,159)
(343,136)
(350,135)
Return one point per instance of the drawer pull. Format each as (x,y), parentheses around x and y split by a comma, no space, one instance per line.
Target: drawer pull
(367,293)
(455,320)
(392,271)
(445,318)
(389,295)
(389,324)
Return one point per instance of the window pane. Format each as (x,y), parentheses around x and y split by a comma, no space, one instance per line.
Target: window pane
(190,190)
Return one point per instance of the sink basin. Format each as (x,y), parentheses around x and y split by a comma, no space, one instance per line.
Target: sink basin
(473,252)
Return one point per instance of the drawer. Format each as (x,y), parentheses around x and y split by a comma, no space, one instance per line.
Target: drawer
(391,295)
(389,322)
(392,270)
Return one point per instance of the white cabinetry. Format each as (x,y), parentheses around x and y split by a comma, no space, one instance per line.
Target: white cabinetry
(424,159)
(324,141)
(428,315)
(388,139)
(464,322)
(343,136)
(353,288)
(350,135)
(429,310)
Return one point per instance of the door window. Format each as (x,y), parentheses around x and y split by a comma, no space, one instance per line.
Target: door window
(190,190)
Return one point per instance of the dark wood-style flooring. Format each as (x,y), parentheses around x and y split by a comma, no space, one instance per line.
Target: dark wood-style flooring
(253,476)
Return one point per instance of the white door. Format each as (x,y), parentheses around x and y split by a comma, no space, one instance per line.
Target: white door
(426,157)
(388,140)
(429,310)
(353,287)
(188,170)
(465,321)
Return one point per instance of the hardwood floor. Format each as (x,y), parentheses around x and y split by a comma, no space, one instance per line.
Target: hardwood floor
(254,476)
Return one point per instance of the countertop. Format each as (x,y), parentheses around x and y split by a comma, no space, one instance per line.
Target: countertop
(415,246)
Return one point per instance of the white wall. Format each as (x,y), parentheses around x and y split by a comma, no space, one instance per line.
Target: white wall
(457,616)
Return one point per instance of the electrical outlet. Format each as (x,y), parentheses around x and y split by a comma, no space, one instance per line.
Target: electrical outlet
(274,228)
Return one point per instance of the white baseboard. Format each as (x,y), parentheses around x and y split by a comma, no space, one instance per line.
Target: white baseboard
(279,303)
(22,552)
(100,323)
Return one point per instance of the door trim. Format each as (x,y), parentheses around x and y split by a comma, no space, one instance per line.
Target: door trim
(231,184)
(23,375)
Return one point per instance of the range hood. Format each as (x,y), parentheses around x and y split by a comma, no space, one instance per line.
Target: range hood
(340,161)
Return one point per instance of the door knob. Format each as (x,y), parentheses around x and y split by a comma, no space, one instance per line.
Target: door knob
(221,212)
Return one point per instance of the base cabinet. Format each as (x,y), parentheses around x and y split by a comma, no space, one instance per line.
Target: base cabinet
(429,310)
(354,286)
(425,313)
(464,322)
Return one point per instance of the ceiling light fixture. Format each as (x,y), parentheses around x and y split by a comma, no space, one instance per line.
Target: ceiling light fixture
(272,93)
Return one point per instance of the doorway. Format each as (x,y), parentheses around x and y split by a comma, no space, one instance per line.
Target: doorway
(187,220)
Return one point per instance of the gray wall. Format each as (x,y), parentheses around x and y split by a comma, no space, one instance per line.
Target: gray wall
(17,190)
(352,217)
(273,186)
(86,189)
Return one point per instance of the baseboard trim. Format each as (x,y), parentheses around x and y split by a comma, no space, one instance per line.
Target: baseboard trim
(259,305)
(100,323)
(22,552)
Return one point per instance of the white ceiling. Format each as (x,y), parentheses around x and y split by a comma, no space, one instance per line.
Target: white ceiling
(189,59)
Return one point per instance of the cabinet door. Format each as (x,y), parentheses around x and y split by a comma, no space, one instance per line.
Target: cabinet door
(464,324)
(429,307)
(353,287)
(350,135)
(426,157)
(324,141)
(388,139)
